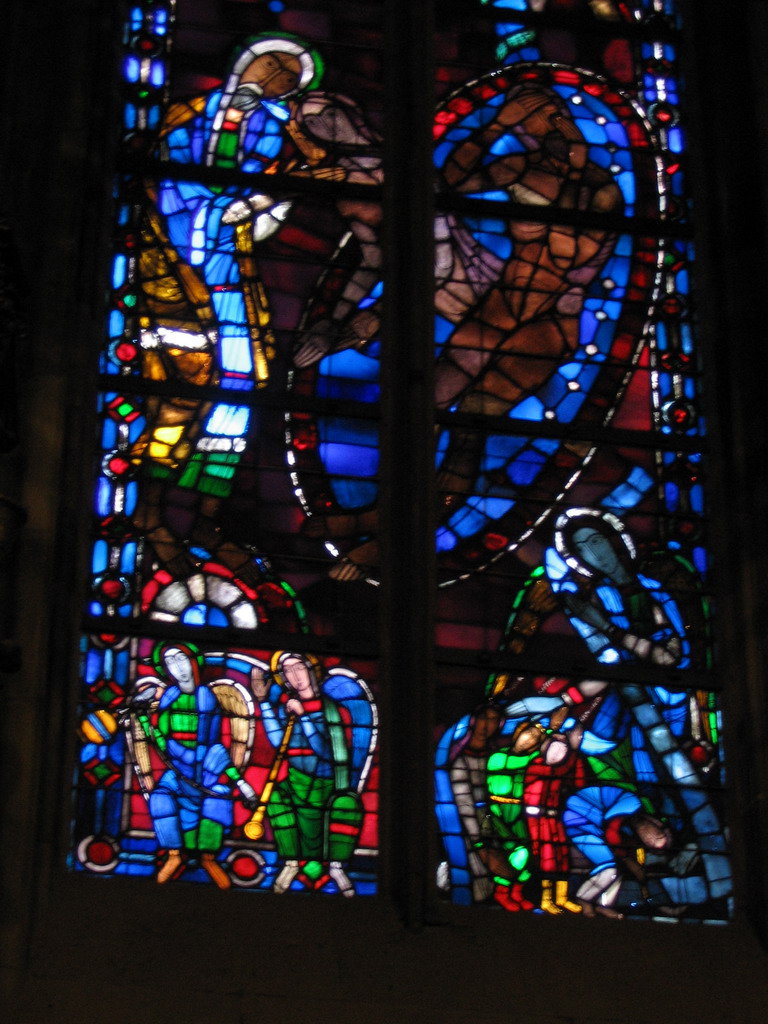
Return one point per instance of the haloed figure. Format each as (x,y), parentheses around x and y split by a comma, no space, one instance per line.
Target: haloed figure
(203,311)
(191,805)
(314,812)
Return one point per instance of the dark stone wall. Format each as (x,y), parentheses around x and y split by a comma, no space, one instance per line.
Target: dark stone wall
(83,949)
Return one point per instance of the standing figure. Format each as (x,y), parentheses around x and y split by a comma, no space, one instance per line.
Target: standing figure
(203,311)
(549,780)
(507,770)
(191,804)
(468,774)
(316,810)
(609,827)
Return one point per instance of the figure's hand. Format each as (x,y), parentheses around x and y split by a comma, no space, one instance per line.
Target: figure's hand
(329,173)
(236,212)
(362,327)
(313,346)
(587,612)
(259,683)
(294,706)
(141,700)
(496,862)
(248,793)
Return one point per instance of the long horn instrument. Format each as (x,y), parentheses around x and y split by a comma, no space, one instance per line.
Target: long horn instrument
(254,827)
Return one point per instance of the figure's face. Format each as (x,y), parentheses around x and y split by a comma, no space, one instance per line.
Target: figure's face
(275,73)
(298,677)
(486,725)
(652,834)
(560,138)
(596,551)
(179,667)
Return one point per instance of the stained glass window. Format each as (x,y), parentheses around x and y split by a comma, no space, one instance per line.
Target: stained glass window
(226,738)
(582,771)
(231,656)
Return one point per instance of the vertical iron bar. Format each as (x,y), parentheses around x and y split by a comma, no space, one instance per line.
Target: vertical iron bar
(407,461)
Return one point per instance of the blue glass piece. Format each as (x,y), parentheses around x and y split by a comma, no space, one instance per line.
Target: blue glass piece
(530,409)
(616,134)
(675,139)
(443,330)
(454,846)
(348,389)
(352,493)
(507,144)
(467,521)
(116,323)
(592,132)
(228,421)
(350,364)
(458,134)
(277,111)
(157,73)
(525,469)
(617,269)
(204,615)
(570,370)
(132,68)
(235,352)
(546,445)
(502,448)
(441,152)
(569,406)
(700,560)
(230,307)
(696,496)
(443,790)
(494,195)
(628,493)
(587,327)
(103,497)
(490,507)
(601,157)
(108,434)
(128,557)
(118,271)
(100,559)
(349,459)
(445,540)
(501,245)
(626,182)
(93,664)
